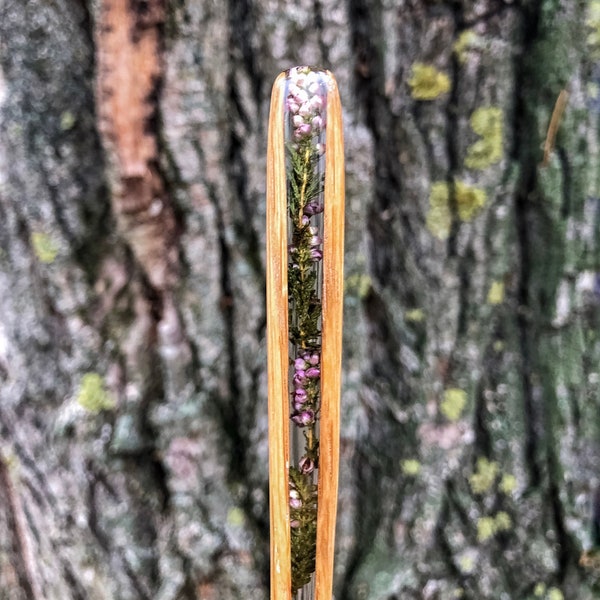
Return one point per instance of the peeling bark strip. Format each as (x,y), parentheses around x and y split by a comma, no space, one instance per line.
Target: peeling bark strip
(23,561)
(129,59)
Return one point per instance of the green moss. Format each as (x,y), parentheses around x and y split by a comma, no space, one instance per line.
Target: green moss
(454,403)
(467,198)
(465,41)
(485,475)
(411,467)
(427,82)
(496,293)
(489,124)
(44,247)
(92,394)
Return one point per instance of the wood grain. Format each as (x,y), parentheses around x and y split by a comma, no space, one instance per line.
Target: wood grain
(333,288)
(277,341)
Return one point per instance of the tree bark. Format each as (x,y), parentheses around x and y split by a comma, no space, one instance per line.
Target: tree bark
(133,458)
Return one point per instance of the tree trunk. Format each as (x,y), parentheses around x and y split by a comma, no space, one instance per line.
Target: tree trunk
(133,457)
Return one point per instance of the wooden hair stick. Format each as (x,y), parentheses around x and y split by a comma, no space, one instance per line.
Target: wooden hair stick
(305,249)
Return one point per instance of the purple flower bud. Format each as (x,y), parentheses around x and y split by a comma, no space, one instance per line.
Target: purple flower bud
(313,373)
(317,123)
(316,255)
(313,231)
(300,378)
(294,524)
(306,417)
(297,121)
(303,130)
(314,359)
(292,106)
(321,149)
(295,503)
(305,220)
(300,395)
(301,97)
(300,364)
(315,240)
(306,465)
(313,208)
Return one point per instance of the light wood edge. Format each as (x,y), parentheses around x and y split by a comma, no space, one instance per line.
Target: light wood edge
(277,348)
(331,357)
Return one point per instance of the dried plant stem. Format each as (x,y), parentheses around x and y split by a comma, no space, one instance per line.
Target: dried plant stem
(316,336)
(333,301)
(277,341)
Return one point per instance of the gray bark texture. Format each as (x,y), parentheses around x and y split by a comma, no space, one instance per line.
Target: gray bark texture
(133,422)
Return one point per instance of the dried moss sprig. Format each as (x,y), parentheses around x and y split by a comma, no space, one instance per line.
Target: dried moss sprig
(305,103)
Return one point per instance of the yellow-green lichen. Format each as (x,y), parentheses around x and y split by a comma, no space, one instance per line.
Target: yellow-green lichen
(465,41)
(454,403)
(92,394)
(485,475)
(236,517)
(496,293)
(428,82)
(411,467)
(539,590)
(593,24)
(555,594)
(468,200)
(44,247)
(67,120)
(487,122)
(486,527)
(503,521)
(358,284)
(415,315)
(490,526)
(508,484)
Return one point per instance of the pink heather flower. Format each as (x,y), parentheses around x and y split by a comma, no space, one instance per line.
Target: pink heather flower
(315,240)
(313,373)
(294,524)
(321,149)
(306,465)
(306,109)
(304,418)
(300,364)
(313,208)
(305,220)
(316,101)
(297,120)
(300,395)
(314,359)
(299,378)
(317,123)
(315,255)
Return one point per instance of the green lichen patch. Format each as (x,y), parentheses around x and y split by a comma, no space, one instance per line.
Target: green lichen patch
(496,293)
(555,594)
(428,82)
(468,200)
(415,315)
(92,394)
(485,475)
(488,122)
(593,25)
(44,247)
(508,484)
(358,284)
(465,41)
(454,403)
(411,467)
(489,526)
